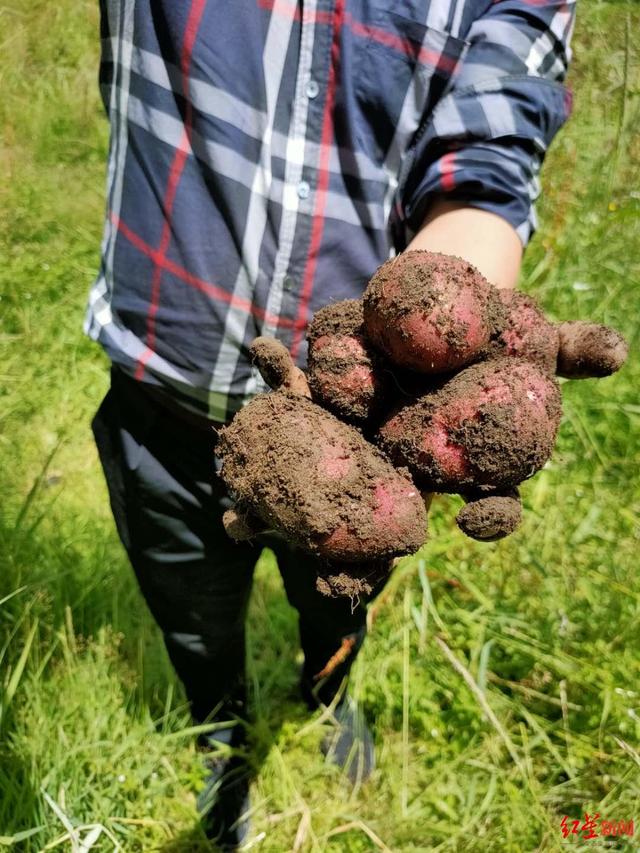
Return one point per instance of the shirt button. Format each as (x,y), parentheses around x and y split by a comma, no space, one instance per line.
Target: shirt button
(303,189)
(312,89)
(289,283)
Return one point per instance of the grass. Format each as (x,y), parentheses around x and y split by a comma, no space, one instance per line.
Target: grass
(502,680)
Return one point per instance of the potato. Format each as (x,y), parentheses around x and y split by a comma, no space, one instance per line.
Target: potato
(490,427)
(345,373)
(590,350)
(276,366)
(430,312)
(491,517)
(315,479)
(526,332)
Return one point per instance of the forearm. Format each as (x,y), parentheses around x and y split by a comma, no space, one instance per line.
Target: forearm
(484,239)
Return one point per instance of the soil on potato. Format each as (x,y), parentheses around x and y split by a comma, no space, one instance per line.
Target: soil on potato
(338,318)
(490,427)
(490,518)
(526,333)
(315,479)
(589,349)
(240,526)
(346,375)
(350,582)
(428,284)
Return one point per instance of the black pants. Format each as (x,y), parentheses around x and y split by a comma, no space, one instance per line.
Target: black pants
(167,502)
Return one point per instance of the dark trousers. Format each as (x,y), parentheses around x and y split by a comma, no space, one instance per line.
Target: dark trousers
(167,501)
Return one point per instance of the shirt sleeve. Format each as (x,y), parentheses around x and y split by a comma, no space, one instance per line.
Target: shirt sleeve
(485,141)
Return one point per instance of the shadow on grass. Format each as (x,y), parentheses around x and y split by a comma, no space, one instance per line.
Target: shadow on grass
(75,585)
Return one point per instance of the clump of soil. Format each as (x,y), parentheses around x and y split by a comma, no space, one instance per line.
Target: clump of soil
(336,583)
(589,349)
(490,518)
(490,427)
(526,332)
(431,312)
(345,373)
(315,479)
(241,526)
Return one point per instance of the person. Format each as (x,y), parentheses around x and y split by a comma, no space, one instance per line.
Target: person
(265,158)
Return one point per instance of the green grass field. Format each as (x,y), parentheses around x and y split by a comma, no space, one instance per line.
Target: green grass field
(95,745)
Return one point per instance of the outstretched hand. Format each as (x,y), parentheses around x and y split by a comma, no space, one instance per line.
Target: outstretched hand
(451,377)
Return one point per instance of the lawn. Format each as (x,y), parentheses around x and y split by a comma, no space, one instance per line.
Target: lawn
(503,681)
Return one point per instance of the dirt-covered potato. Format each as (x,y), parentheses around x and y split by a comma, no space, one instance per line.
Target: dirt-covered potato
(490,517)
(345,373)
(590,350)
(315,479)
(490,427)
(526,332)
(430,312)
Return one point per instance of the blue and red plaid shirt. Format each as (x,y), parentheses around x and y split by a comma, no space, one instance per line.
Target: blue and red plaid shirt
(267,155)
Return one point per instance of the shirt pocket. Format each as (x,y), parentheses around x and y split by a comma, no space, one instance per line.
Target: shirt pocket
(401,71)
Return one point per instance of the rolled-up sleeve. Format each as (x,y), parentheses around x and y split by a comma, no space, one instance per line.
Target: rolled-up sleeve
(485,141)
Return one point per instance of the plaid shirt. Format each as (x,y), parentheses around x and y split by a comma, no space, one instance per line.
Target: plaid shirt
(267,155)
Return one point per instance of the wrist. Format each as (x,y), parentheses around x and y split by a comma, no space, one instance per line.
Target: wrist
(483,238)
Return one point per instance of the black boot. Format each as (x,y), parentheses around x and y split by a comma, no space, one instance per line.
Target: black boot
(223,804)
(350,744)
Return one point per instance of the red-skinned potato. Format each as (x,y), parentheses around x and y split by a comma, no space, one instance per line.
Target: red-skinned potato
(573,350)
(345,373)
(489,427)
(430,312)
(335,579)
(434,314)
(306,474)
(526,332)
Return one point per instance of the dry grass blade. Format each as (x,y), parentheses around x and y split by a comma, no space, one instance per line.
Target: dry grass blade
(64,820)
(90,838)
(628,749)
(482,701)
(358,824)
(303,829)
(529,691)
(326,715)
